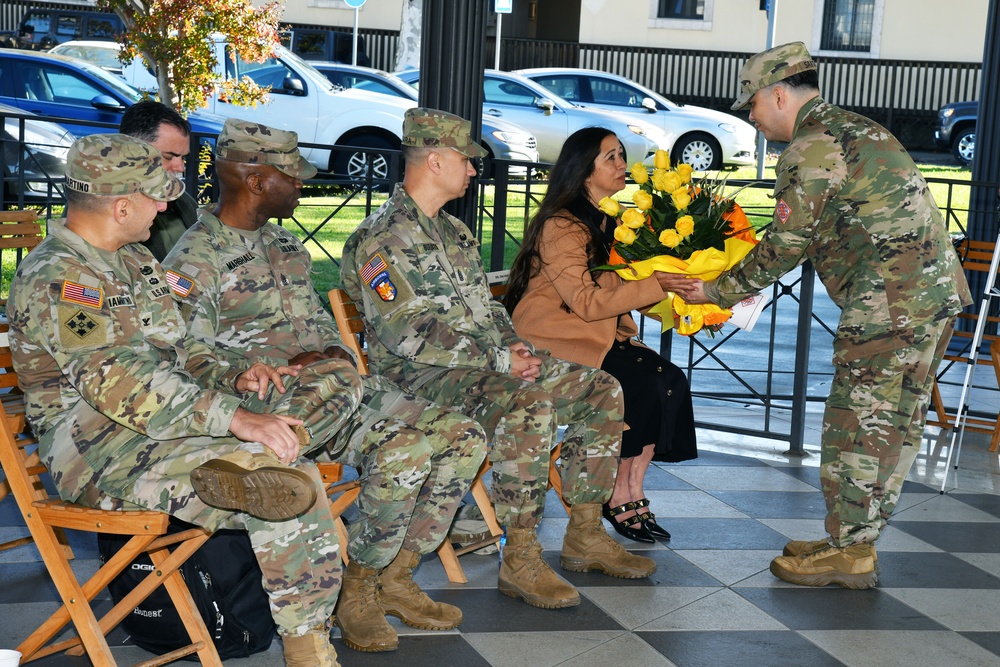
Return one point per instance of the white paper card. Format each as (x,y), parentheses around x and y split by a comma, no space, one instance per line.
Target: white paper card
(746,312)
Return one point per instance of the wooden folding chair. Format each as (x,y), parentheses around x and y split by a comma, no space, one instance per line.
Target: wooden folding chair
(148,530)
(976,257)
(352,329)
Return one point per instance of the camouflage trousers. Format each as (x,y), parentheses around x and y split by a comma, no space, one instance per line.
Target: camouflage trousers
(523,418)
(873,425)
(299,558)
(417,461)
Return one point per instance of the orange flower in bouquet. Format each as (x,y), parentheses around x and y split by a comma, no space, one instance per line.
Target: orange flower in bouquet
(678,226)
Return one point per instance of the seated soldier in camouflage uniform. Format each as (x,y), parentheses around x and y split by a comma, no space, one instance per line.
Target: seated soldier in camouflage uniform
(245,289)
(129,413)
(432,327)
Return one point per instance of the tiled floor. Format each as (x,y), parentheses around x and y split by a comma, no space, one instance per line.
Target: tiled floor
(712,602)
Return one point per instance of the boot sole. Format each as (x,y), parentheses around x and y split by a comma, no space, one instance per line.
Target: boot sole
(365,649)
(855,582)
(582,565)
(535,601)
(422,624)
(272,494)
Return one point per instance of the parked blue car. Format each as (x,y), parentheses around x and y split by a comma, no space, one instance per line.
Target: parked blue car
(66,90)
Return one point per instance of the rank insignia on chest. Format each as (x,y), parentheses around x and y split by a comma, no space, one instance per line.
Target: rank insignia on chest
(782,210)
(92,297)
(179,283)
(383,286)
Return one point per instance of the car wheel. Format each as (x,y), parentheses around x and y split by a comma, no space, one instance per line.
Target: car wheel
(356,164)
(964,146)
(699,150)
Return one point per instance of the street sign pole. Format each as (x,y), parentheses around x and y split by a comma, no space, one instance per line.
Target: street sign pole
(501,7)
(771,6)
(356,4)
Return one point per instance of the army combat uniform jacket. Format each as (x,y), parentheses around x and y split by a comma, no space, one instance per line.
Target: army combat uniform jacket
(99,348)
(850,199)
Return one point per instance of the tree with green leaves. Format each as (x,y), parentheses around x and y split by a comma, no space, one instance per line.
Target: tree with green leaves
(174,39)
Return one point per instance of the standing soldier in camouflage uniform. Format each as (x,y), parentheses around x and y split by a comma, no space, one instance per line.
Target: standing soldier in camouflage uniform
(170,133)
(850,200)
(129,413)
(245,289)
(433,327)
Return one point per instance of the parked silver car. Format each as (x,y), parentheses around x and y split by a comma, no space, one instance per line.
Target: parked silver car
(704,138)
(34,158)
(551,119)
(505,141)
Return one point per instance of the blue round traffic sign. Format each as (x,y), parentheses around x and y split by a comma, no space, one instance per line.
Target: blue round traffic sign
(354,3)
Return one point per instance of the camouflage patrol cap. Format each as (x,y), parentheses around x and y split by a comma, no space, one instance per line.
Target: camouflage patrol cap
(431,128)
(253,143)
(772,66)
(117,164)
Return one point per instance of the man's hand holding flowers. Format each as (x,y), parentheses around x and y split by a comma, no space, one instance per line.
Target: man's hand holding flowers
(681,228)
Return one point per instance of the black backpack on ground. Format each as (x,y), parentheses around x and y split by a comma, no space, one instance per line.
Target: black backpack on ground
(225,582)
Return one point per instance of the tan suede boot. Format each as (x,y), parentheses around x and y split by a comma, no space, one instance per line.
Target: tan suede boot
(358,615)
(312,649)
(258,484)
(400,596)
(850,567)
(802,547)
(523,573)
(587,546)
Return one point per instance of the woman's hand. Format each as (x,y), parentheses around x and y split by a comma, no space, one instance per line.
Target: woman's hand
(692,290)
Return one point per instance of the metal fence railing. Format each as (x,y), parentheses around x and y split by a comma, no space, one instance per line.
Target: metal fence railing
(760,383)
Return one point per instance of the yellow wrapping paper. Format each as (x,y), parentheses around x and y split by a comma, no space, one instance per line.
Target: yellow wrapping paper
(706,264)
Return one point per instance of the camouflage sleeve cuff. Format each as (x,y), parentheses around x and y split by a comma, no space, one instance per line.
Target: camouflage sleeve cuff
(228,379)
(221,414)
(712,291)
(500,359)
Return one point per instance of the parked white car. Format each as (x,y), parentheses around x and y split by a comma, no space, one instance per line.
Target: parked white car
(551,119)
(106,55)
(704,138)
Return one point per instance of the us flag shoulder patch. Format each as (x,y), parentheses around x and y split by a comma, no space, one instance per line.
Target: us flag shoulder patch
(375,266)
(782,210)
(92,297)
(179,283)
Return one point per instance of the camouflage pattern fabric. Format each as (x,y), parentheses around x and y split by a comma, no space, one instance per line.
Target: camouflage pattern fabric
(431,128)
(771,66)
(254,143)
(432,326)
(873,426)
(117,164)
(851,200)
(417,459)
(125,407)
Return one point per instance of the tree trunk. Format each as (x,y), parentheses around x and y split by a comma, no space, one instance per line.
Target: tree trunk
(408,51)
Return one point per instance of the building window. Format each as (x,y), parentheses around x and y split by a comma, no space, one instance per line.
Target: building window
(847,25)
(681,9)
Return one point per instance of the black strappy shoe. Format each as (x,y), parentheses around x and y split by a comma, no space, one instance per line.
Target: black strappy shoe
(624,527)
(648,521)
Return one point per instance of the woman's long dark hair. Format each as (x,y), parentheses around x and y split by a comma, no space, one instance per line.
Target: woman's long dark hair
(566,188)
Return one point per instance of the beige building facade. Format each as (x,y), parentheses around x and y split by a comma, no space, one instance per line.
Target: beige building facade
(922,30)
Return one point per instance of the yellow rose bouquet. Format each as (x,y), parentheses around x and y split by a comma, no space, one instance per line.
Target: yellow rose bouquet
(678,226)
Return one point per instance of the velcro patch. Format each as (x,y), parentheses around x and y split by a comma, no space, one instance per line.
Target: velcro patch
(80,328)
(179,283)
(374,267)
(384,279)
(92,297)
(782,210)
(383,286)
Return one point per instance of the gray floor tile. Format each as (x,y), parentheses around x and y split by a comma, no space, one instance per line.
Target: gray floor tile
(955,609)
(723,534)
(901,649)
(776,504)
(931,570)
(954,535)
(837,609)
(761,649)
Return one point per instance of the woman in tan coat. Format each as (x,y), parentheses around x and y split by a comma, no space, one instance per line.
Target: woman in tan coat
(560,303)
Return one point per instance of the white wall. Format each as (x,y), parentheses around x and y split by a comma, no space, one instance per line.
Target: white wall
(380,14)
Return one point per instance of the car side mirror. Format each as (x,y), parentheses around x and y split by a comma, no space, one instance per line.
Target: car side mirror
(649,104)
(106,103)
(546,105)
(293,85)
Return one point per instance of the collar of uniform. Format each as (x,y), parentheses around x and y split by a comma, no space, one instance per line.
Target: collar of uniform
(433,227)
(231,236)
(101,261)
(807,109)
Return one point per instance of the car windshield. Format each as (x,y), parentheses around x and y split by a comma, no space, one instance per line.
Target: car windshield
(112,81)
(302,64)
(98,55)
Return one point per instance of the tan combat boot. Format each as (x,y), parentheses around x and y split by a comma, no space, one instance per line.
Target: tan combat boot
(801,547)
(850,567)
(400,596)
(523,573)
(358,615)
(258,484)
(587,546)
(312,649)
